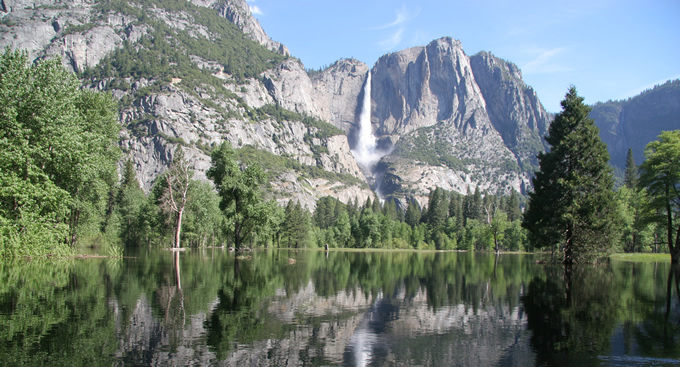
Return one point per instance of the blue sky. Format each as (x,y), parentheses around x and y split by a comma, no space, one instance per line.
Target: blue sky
(608,49)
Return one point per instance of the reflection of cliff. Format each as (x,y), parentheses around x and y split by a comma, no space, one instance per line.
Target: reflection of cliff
(147,340)
(407,332)
(350,328)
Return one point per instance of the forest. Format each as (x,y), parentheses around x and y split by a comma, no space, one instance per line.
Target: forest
(61,191)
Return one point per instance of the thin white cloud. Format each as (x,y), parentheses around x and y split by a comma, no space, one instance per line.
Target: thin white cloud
(255,10)
(402,16)
(393,40)
(397,28)
(545,63)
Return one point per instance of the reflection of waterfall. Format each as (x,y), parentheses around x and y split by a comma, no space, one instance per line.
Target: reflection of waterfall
(364,339)
(366,150)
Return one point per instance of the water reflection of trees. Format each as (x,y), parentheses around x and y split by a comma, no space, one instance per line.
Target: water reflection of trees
(151,309)
(573,314)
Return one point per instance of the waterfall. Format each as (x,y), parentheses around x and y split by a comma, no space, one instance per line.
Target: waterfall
(365,151)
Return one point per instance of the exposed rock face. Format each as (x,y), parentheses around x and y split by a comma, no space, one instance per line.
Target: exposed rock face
(290,86)
(513,106)
(429,102)
(476,111)
(447,119)
(197,117)
(340,86)
(174,115)
(635,122)
(39,27)
(421,86)
(331,95)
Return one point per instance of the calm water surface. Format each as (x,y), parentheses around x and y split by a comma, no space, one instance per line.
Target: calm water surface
(306,308)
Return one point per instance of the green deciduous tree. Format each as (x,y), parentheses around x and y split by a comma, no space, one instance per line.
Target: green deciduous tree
(572,203)
(57,156)
(241,198)
(203,219)
(660,174)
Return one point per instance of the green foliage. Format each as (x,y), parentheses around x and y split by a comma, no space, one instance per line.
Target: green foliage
(129,200)
(296,226)
(639,231)
(572,203)
(203,221)
(57,157)
(80,28)
(660,175)
(241,198)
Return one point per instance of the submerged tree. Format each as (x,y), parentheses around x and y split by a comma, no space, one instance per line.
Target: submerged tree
(241,198)
(660,174)
(572,202)
(175,197)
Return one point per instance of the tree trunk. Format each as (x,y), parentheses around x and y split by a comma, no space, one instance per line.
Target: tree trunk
(179,228)
(237,236)
(569,248)
(675,251)
(669,218)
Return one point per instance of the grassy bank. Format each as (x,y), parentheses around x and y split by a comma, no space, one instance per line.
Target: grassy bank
(637,257)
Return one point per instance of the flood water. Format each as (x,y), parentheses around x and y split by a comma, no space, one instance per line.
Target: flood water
(308,308)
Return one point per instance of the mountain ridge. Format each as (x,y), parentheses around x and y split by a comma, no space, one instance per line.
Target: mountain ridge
(203,71)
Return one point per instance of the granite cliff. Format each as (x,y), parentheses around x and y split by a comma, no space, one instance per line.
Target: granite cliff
(454,121)
(204,71)
(158,59)
(633,123)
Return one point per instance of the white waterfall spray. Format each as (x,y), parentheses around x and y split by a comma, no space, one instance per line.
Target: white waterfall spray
(366,152)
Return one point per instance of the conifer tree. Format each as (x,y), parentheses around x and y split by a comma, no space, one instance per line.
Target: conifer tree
(413,214)
(631,176)
(572,202)
(129,200)
(437,208)
(512,207)
(296,225)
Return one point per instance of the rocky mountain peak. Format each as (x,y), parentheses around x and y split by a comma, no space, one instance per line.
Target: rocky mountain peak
(238,12)
(421,86)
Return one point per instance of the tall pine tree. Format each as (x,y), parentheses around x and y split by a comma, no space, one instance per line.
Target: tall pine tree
(631,176)
(571,206)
